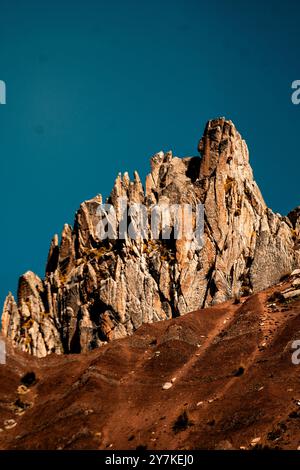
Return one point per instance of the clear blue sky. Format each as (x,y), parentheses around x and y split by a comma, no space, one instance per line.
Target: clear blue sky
(97,87)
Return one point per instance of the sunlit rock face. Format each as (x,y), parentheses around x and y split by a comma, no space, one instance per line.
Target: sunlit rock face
(95,291)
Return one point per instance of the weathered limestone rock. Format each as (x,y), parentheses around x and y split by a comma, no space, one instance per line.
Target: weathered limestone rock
(96,291)
(29,324)
(11,318)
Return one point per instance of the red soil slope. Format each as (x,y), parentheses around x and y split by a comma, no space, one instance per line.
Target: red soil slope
(234,382)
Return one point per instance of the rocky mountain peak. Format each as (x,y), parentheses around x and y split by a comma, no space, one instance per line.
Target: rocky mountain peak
(97,290)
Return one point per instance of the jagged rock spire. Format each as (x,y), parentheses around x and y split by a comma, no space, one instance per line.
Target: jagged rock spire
(95,291)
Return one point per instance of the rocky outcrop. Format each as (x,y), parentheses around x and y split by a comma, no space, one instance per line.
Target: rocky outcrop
(97,290)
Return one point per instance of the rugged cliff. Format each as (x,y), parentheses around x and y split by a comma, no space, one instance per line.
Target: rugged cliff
(95,291)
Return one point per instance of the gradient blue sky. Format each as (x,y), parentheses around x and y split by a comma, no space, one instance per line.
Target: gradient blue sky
(97,87)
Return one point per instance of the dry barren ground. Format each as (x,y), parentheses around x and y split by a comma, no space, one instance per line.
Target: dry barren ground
(217,378)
